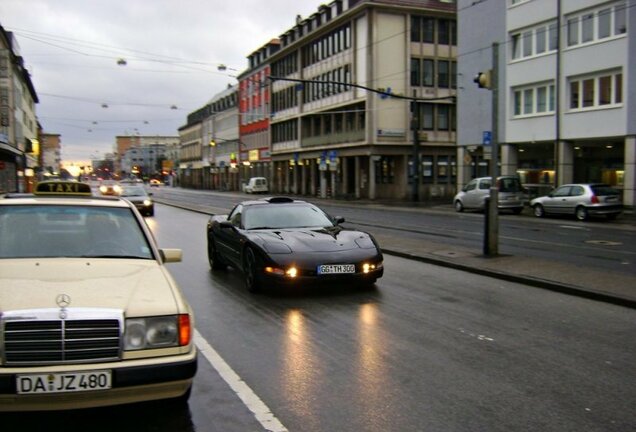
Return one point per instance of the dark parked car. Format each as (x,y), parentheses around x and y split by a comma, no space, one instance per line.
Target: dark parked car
(284,241)
(580,200)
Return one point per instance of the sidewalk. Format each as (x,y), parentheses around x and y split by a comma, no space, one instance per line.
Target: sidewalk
(571,279)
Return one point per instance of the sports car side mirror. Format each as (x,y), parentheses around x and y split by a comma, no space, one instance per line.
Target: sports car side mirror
(226,224)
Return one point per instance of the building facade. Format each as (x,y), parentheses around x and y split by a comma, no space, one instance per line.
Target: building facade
(567,90)
(222,128)
(145,156)
(363,102)
(50,153)
(254,114)
(18,124)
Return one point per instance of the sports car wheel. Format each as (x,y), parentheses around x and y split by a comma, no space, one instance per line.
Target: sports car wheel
(213,257)
(581,213)
(250,268)
(459,207)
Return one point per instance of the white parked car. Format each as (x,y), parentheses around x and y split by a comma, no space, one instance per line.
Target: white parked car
(473,196)
(256,185)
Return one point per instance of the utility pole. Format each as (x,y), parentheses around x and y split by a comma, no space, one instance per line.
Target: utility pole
(415,125)
(491,247)
(489,80)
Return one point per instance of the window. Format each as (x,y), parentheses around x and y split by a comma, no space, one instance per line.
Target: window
(540,38)
(604,23)
(442,74)
(534,100)
(427,119)
(587,28)
(443,33)
(427,169)
(528,101)
(440,116)
(605,90)
(527,44)
(535,41)
(597,91)
(428,73)
(443,122)
(415,72)
(416,29)
(542,99)
(385,170)
(428,28)
(620,24)
(597,24)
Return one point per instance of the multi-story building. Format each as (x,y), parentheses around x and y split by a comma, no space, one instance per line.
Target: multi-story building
(191,163)
(254,108)
(223,137)
(144,155)
(50,153)
(567,90)
(18,124)
(361,140)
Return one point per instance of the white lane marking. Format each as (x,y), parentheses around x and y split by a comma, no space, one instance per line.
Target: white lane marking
(262,413)
(476,336)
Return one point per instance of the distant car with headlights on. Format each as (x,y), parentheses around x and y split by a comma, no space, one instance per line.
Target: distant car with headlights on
(282,241)
(137,195)
(580,201)
(109,187)
(89,314)
(155,183)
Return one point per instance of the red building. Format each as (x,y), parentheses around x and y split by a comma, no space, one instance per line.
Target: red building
(254,158)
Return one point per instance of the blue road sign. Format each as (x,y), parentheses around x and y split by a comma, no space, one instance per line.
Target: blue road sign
(487,140)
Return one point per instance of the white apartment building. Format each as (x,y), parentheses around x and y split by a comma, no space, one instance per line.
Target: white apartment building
(567,90)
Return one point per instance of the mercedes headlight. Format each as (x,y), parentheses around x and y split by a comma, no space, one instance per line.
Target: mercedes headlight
(157,332)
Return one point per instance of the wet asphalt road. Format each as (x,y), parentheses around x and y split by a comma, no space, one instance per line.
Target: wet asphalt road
(430,349)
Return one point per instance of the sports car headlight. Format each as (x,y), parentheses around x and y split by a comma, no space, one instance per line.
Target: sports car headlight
(157,332)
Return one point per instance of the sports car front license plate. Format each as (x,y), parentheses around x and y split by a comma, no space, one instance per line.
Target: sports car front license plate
(63,382)
(336,268)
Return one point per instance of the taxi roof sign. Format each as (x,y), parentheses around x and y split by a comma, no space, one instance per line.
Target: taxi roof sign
(62,188)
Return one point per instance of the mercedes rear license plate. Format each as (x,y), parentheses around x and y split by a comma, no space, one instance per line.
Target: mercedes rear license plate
(63,382)
(336,268)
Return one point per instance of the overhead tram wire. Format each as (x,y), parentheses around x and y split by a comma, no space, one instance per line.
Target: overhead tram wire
(345,84)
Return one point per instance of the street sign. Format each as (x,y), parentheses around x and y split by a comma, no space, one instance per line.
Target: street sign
(487,138)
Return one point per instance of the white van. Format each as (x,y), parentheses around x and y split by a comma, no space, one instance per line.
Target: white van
(256,185)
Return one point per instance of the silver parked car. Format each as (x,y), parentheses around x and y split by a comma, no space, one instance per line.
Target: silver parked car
(511,195)
(580,200)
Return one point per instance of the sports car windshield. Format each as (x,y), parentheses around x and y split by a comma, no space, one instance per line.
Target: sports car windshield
(39,231)
(280,216)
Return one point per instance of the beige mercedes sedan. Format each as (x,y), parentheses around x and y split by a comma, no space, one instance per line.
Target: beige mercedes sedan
(89,314)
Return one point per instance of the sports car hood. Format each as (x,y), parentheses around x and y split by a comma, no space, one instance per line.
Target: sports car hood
(315,240)
(138,287)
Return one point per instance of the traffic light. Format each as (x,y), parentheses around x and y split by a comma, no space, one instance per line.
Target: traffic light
(483,79)
(212,143)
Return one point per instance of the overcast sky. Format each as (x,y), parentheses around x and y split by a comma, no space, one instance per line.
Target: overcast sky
(172,50)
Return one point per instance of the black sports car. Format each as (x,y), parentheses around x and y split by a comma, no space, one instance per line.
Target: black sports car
(284,241)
